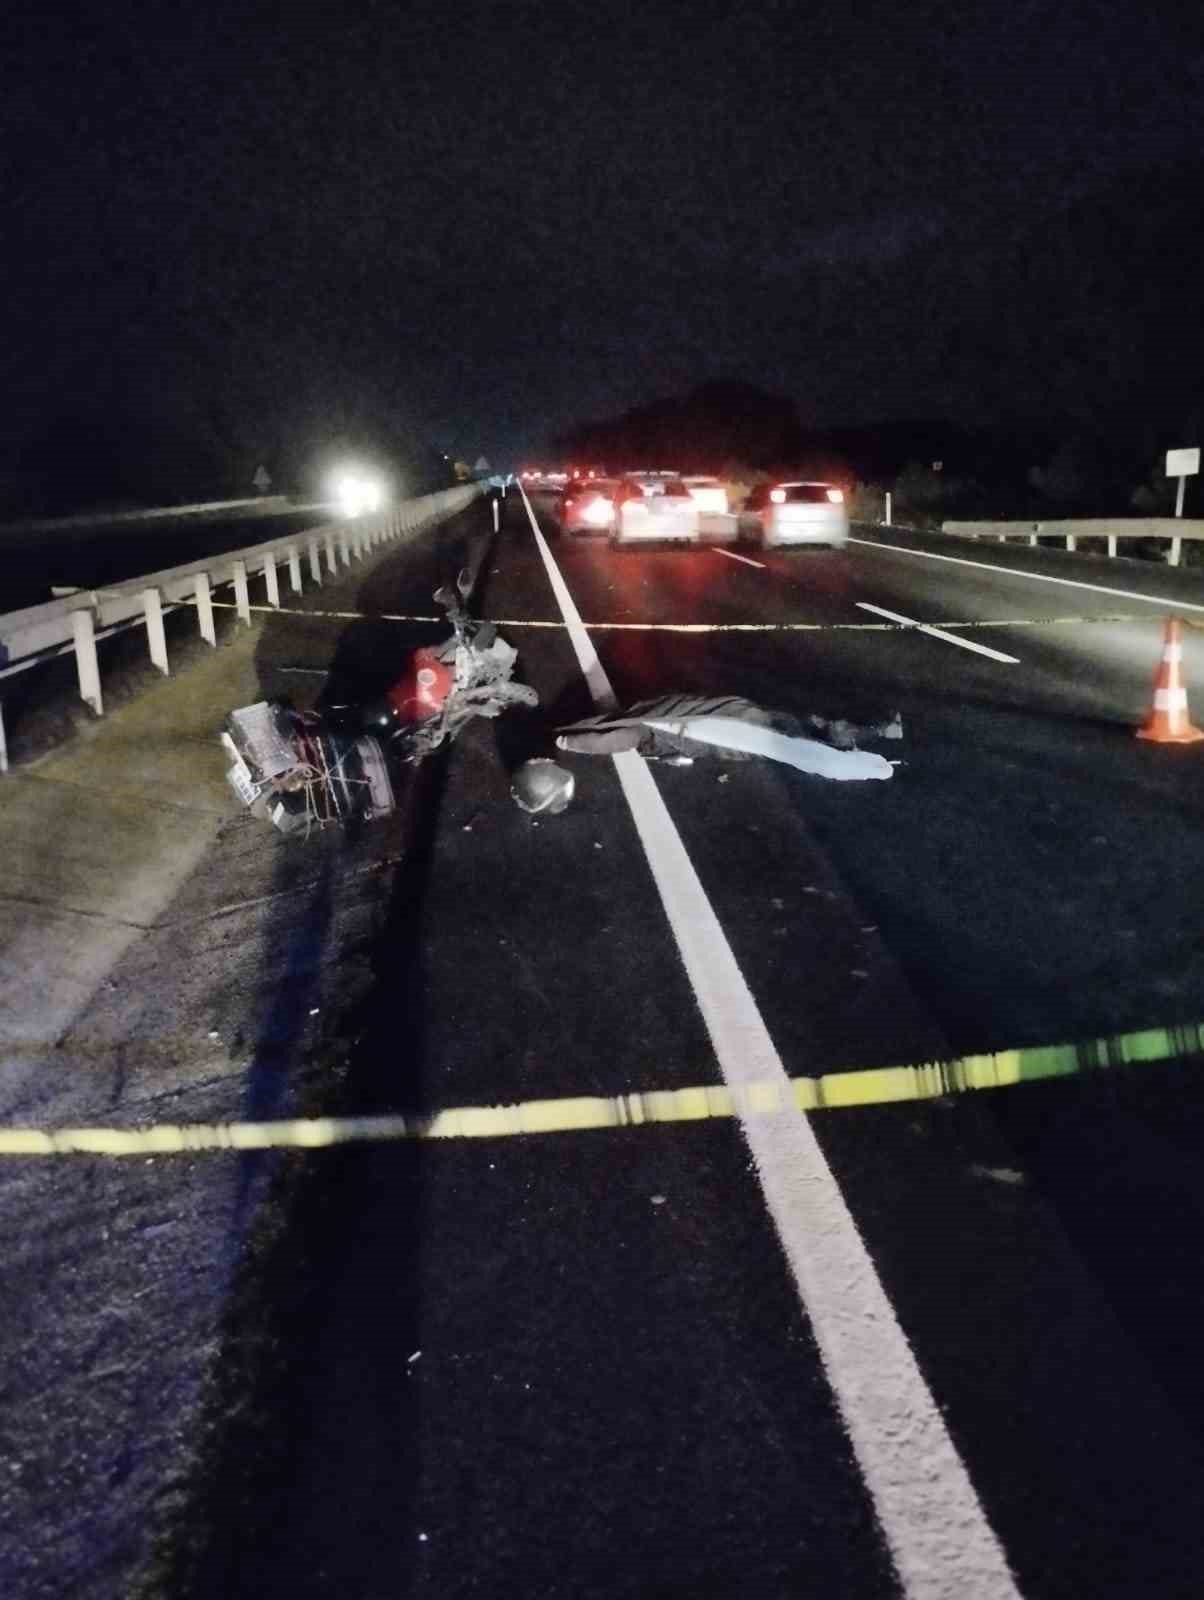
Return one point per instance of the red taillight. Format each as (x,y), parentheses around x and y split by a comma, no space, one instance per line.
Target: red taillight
(599,511)
(836,496)
(778,496)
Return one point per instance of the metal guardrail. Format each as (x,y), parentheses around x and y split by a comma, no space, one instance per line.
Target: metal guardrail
(1072,529)
(79,621)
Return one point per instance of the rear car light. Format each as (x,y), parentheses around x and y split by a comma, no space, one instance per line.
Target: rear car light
(778,496)
(836,496)
(598,512)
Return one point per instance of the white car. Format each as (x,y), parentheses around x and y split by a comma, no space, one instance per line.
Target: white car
(653,506)
(796,513)
(588,506)
(708,492)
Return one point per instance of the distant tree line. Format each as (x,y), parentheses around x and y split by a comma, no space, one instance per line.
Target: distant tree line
(935,469)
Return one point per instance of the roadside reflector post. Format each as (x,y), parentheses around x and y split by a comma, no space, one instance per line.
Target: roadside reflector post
(204,609)
(242,598)
(156,638)
(294,568)
(315,562)
(1071,542)
(270,579)
(86,664)
(345,547)
(1177,539)
(331,563)
(888,508)
(495,516)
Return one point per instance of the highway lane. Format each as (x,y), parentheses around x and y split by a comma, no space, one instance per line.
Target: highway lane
(659,1447)
(577,1365)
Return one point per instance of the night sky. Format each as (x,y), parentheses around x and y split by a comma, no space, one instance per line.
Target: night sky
(484,221)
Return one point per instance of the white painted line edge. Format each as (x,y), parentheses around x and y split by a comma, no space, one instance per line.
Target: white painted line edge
(1037,577)
(732,556)
(939,633)
(942,1544)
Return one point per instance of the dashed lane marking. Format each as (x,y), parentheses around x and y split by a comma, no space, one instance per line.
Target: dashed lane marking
(733,556)
(912,1471)
(1166,603)
(869,1086)
(940,633)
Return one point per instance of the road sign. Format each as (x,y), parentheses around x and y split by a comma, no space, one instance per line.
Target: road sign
(262,479)
(1182,463)
(482,465)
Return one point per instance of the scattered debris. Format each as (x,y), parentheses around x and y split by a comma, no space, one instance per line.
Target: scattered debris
(679,725)
(314,1010)
(411,1359)
(658,1199)
(305,768)
(542,785)
(214,1034)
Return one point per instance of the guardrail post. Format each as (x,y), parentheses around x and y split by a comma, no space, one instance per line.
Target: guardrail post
(1032,538)
(152,605)
(204,609)
(242,598)
(315,562)
(1111,544)
(294,569)
(1176,543)
(1071,542)
(86,664)
(331,563)
(345,547)
(270,579)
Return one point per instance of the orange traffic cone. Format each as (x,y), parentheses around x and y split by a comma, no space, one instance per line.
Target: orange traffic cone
(1168,722)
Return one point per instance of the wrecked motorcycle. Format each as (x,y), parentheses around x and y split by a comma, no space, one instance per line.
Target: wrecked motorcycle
(306,769)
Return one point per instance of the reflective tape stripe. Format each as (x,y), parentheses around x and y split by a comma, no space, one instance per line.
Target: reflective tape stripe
(1170,699)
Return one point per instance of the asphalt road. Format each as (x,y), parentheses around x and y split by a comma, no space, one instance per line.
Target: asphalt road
(580,1364)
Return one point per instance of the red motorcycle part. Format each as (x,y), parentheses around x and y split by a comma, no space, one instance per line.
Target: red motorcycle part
(422,689)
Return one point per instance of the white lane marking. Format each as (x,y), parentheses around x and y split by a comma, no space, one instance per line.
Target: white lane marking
(939,633)
(1037,577)
(732,556)
(942,1544)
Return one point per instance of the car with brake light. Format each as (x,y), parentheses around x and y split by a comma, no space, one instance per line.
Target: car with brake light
(796,513)
(588,506)
(654,506)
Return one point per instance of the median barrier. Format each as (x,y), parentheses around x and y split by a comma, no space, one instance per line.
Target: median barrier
(76,622)
(1071,529)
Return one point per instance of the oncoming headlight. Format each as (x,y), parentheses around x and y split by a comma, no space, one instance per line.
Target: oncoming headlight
(355,493)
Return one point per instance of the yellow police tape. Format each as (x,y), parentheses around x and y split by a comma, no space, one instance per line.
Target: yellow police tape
(711,627)
(872,1086)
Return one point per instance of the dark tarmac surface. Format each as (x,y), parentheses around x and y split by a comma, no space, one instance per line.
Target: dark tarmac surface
(575,1365)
